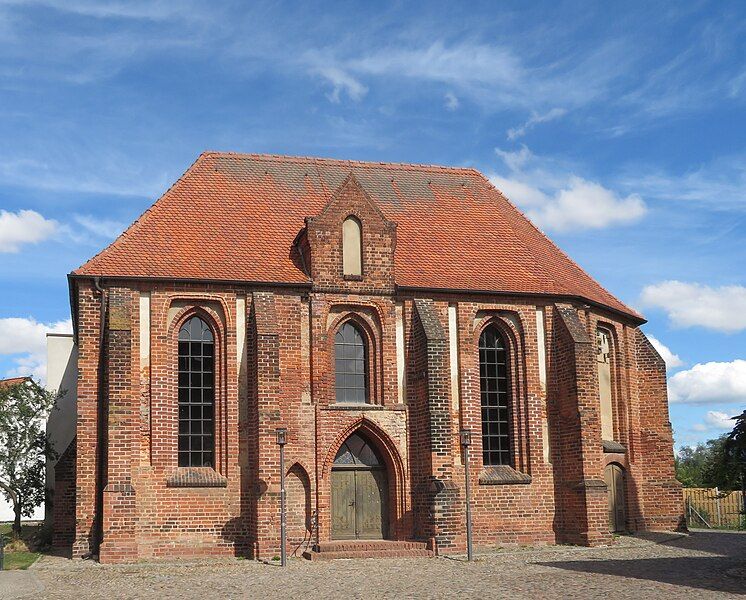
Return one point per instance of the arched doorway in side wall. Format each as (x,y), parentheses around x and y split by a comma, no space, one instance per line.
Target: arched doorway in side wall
(360,492)
(614,477)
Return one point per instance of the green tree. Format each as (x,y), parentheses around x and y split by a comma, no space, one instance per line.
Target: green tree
(731,466)
(24,446)
(719,463)
(695,466)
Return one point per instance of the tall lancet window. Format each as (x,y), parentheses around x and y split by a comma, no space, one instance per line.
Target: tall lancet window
(496,398)
(351,364)
(196,394)
(603,358)
(352,247)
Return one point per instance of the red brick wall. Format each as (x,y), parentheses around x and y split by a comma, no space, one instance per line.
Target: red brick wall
(576,419)
(512,513)
(325,241)
(153,508)
(420,456)
(63,501)
(439,496)
(88,304)
(298,489)
(659,493)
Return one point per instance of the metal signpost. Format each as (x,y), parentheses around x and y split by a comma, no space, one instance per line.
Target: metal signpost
(465,442)
(281,441)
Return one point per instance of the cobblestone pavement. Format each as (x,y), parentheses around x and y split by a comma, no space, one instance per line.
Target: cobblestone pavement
(704,564)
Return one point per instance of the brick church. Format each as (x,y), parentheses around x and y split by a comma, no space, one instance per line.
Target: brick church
(375,311)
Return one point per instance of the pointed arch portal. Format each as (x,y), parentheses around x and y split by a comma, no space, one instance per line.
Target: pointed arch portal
(359,491)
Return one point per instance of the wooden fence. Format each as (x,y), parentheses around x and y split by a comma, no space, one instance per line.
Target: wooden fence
(709,507)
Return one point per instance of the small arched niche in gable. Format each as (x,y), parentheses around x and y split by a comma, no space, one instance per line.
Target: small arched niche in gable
(352,247)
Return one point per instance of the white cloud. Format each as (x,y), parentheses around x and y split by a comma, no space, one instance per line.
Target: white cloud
(715,420)
(88,229)
(707,383)
(451,101)
(83,52)
(523,194)
(132,9)
(534,120)
(24,339)
(672,360)
(587,205)
(695,77)
(718,184)
(532,67)
(465,64)
(517,159)
(341,82)
(693,304)
(106,228)
(23,227)
(103,171)
(34,365)
(555,199)
(495,76)
(737,84)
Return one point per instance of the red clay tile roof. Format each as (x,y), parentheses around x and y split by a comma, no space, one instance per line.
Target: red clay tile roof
(4,383)
(234,217)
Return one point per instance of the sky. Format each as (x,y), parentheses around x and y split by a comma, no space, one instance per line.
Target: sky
(618,128)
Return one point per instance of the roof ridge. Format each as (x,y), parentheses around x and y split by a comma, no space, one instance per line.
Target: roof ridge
(342,161)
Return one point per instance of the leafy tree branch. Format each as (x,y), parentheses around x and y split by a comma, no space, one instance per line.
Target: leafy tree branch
(24,445)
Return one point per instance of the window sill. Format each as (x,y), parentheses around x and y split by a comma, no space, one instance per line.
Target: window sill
(355,406)
(352,277)
(502,475)
(196,477)
(613,447)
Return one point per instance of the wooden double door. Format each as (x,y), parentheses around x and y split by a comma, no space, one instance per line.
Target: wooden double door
(359,492)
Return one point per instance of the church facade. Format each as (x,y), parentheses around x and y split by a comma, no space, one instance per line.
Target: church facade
(375,311)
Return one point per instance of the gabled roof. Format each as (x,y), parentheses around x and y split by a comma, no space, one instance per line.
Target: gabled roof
(234,217)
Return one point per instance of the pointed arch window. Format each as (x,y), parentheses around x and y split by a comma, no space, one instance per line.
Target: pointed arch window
(496,398)
(350,364)
(196,394)
(352,247)
(605,384)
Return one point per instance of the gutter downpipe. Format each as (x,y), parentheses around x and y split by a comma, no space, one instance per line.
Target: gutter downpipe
(98,518)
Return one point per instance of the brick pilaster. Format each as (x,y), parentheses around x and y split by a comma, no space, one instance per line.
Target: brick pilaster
(265,417)
(436,485)
(88,307)
(580,491)
(119,543)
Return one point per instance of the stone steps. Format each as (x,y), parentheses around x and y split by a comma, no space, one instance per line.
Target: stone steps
(368,549)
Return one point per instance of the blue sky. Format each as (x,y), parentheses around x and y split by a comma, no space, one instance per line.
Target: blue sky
(618,127)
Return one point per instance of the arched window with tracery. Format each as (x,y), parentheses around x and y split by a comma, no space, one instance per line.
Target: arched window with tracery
(350,364)
(196,394)
(496,398)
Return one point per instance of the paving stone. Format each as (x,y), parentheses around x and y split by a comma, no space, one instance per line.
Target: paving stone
(19,584)
(704,564)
